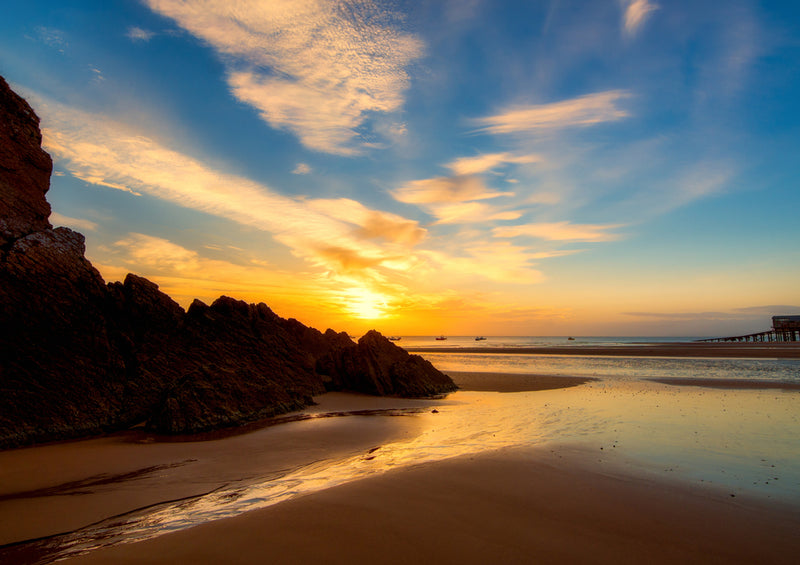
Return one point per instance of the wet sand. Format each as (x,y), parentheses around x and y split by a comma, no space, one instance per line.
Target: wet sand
(512,506)
(786,350)
(63,486)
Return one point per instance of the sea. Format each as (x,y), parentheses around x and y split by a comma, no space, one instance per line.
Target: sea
(608,367)
(532,341)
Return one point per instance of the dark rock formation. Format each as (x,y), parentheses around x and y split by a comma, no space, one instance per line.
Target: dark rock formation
(377,366)
(79,357)
(24,169)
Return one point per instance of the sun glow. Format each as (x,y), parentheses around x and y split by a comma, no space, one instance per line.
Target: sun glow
(366,304)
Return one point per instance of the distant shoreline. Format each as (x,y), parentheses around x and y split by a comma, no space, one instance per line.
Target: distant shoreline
(782,350)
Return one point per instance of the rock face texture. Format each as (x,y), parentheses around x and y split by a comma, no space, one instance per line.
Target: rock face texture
(79,357)
(24,169)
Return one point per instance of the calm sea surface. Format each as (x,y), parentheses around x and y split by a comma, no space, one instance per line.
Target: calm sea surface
(777,370)
(530,341)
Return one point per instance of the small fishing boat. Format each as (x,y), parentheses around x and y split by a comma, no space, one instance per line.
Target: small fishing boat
(570,339)
(480,338)
(441,338)
(394,338)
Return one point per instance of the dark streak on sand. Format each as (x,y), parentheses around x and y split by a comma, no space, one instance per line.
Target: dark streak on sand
(144,437)
(85,486)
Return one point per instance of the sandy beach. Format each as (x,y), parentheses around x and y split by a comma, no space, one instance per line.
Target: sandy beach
(549,503)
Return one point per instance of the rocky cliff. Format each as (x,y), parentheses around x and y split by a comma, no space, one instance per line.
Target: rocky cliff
(79,357)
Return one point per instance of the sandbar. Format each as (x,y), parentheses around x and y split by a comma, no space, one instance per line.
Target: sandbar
(505,382)
(775,350)
(510,506)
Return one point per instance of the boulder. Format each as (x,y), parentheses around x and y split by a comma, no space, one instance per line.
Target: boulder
(378,366)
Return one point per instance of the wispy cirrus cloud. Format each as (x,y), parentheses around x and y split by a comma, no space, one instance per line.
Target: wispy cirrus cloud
(107,153)
(635,13)
(498,261)
(319,69)
(488,162)
(136,33)
(455,200)
(560,231)
(77,223)
(302,169)
(52,37)
(470,212)
(446,189)
(370,224)
(587,110)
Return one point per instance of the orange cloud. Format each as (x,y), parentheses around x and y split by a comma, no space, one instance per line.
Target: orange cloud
(372,224)
(76,223)
(560,231)
(635,13)
(446,189)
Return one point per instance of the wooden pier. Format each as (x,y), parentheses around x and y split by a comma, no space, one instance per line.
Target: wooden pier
(784,328)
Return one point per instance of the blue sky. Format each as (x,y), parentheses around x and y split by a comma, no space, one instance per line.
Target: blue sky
(619,167)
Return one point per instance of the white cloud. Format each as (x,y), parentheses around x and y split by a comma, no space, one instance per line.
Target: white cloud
(52,37)
(98,75)
(301,169)
(135,33)
(581,111)
(331,64)
(635,13)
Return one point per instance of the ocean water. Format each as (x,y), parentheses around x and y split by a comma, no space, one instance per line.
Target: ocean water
(607,367)
(622,368)
(531,341)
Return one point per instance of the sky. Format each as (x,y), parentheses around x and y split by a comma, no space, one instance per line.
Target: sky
(493,167)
